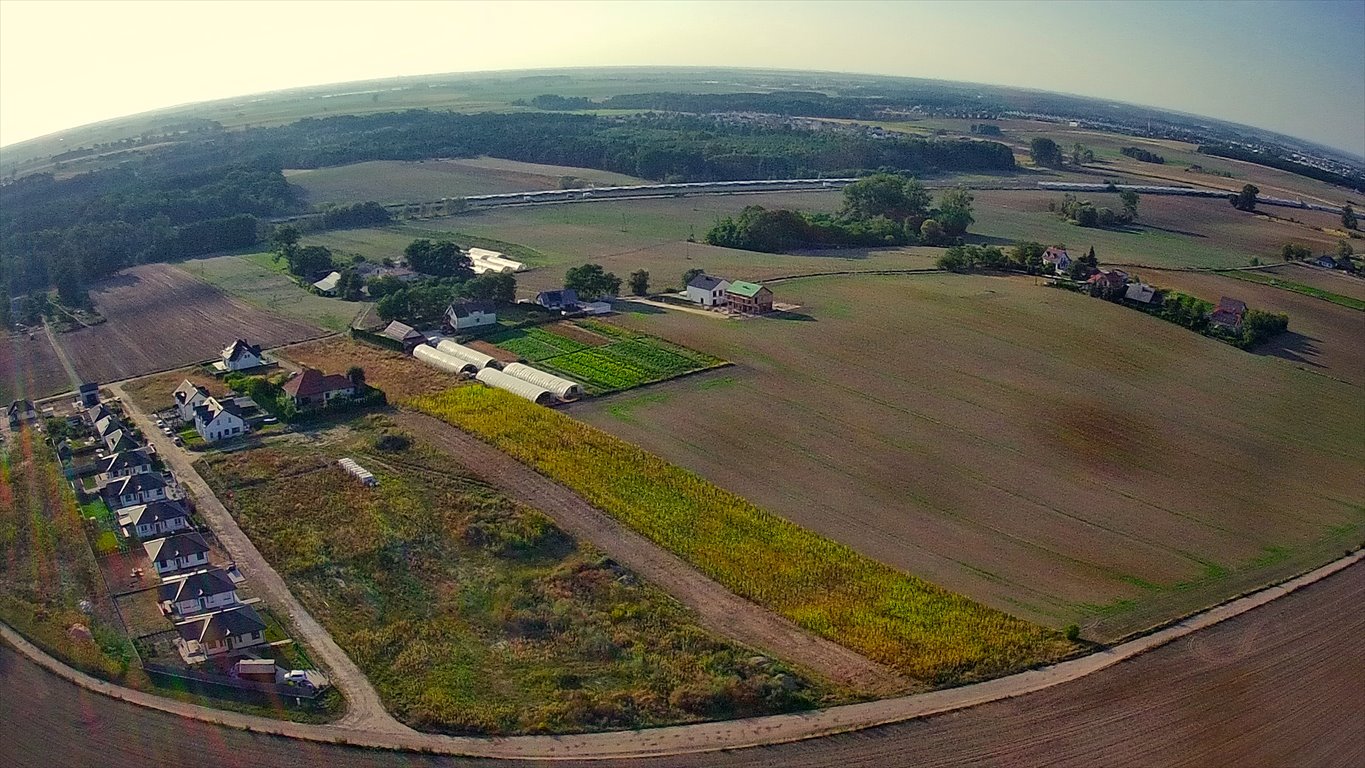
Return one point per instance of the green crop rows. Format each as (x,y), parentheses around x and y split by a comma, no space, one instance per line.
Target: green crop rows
(627,360)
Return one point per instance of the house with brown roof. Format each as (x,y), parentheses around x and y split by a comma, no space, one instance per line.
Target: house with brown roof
(312,388)
(1228,315)
(1108,284)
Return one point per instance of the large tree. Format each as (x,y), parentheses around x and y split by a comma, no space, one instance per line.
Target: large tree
(1129,199)
(955,211)
(591,281)
(639,282)
(439,259)
(1246,199)
(500,287)
(1045,152)
(1348,216)
(885,194)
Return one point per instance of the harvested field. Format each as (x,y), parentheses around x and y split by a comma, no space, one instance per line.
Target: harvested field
(257,280)
(400,376)
(159,317)
(1055,456)
(398,181)
(30,368)
(1169,232)
(1323,337)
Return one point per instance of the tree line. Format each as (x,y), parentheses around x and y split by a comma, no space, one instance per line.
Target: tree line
(1138,153)
(882,209)
(194,197)
(1272,160)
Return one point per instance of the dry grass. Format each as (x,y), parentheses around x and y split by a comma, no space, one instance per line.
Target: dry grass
(400,376)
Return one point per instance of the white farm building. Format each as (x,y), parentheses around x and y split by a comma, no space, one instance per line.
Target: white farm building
(563,388)
(519,387)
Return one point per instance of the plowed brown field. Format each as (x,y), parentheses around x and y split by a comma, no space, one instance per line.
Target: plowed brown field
(159,317)
(30,368)
(1055,456)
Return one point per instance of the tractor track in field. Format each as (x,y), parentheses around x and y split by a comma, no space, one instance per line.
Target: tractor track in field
(719,609)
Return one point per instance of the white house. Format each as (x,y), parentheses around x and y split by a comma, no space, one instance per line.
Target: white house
(470,314)
(198,592)
(157,518)
(189,396)
(218,633)
(136,489)
(218,420)
(708,291)
(239,356)
(177,552)
(123,464)
(1058,259)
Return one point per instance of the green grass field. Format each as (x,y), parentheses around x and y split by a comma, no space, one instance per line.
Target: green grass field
(928,633)
(623,360)
(471,614)
(257,280)
(1306,290)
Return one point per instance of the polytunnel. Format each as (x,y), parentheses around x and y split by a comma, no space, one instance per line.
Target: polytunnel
(520,387)
(563,388)
(439,359)
(479,359)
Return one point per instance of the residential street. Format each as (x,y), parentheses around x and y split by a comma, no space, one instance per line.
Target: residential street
(364,710)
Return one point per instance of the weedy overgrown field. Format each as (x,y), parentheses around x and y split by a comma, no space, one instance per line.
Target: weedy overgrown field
(828,588)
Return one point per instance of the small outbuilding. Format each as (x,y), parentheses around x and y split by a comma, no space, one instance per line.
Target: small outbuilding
(404,334)
(327,286)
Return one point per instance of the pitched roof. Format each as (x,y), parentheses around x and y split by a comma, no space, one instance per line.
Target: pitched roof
(328,283)
(206,583)
(146,481)
(187,391)
(706,282)
(219,626)
(175,545)
(468,308)
(124,460)
(311,382)
(1113,278)
(96,412)
(1140,292)
(743,288)
(154,512)
(561,296)
(238,348)
(1053,255)
(19,406)
(213,406)
(119,441)
(1235,306)
(402,332)
(106,425)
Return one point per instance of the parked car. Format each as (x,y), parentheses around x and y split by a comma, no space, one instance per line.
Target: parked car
(270,420)
(178,440)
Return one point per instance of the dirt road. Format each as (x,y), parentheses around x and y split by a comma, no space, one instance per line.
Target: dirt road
(720,610)
(1276,686)
(364,710)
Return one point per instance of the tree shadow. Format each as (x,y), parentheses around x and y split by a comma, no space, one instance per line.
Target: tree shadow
(1291,346)
(796,316)
(636,308)
(987,240)
(120,280)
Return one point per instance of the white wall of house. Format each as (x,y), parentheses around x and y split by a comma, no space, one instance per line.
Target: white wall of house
(202,604)
(181,563)
(223,426)
(476,319)
(244,361)
(148,530)
(146,496)
(712,298)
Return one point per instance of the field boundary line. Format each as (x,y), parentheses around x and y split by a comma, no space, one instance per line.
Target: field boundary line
(702,737)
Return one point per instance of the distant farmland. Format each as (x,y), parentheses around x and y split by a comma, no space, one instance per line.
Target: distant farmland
(1055,456)
(159,317)
(255,280)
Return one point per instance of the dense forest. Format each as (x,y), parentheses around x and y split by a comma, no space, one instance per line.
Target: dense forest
(211,191)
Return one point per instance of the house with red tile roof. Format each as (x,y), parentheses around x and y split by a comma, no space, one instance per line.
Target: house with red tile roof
(312,388)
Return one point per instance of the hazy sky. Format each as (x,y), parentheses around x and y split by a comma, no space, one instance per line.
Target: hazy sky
(1296,67)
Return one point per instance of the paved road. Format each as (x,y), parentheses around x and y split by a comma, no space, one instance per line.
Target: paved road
(363,707)
(720,610)
(1277,686)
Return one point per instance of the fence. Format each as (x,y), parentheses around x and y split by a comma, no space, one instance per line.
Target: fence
(193,679)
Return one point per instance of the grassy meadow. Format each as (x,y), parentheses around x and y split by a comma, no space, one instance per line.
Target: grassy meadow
(471,614)
(928,633)
(1058,457)
(256,279)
